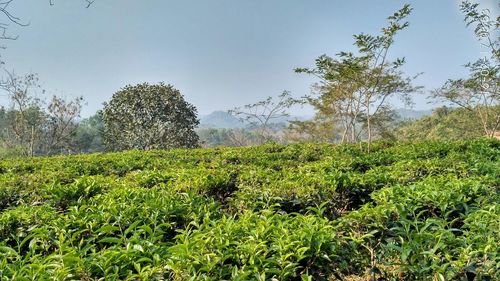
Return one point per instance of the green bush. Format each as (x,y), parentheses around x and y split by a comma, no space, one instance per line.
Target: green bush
(405,211)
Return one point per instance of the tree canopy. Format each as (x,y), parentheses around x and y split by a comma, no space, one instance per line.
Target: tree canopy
(147,117)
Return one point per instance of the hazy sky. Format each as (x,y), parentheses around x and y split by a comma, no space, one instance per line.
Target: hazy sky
(222,53)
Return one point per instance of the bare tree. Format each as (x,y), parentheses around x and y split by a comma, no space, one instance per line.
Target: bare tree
(62,123)
(8,18)
(34,125)
(4,10)
(25,116)
(263,114)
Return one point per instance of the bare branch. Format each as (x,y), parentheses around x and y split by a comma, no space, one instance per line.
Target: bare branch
(261,113)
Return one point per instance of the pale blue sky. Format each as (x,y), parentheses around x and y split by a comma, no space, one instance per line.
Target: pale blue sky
(222,53)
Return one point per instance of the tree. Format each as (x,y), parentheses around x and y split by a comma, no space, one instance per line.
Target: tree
(149,117)
(25,118)
(354,89)
(31,123)
(262,115)
(479,93)
(88,137)
(62,123)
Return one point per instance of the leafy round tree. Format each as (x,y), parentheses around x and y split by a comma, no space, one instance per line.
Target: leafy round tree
(149,117)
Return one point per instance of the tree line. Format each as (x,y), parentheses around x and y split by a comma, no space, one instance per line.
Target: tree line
(351,99)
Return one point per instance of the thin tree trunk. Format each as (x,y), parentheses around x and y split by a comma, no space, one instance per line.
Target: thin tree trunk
(32,141)
(483,116)
(353,131)
(368,124)
(344,134)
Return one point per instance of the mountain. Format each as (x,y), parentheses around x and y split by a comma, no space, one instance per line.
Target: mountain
(220,119)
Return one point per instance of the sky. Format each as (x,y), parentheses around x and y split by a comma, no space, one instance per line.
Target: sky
(223,53)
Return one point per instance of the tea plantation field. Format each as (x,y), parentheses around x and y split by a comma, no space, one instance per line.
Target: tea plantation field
(425,211)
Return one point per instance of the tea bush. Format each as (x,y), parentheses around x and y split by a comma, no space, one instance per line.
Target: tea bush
(404,211)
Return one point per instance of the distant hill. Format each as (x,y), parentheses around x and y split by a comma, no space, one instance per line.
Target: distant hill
(222,119)
(406,114)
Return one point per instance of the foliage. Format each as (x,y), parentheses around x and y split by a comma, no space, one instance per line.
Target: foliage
(444,124)
(147,117)
(416,211)
(88,136)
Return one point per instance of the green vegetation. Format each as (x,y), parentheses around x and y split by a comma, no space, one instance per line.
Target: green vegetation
(148,116)
(419,211)
(354,88)
(353,100)
(444,124)
(368,209)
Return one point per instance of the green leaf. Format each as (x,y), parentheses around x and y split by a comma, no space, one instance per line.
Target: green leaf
(111,240)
